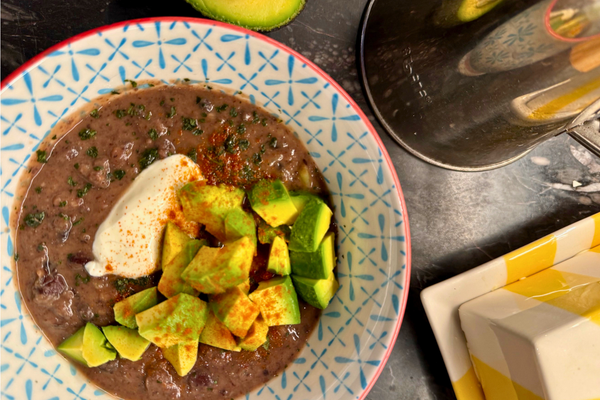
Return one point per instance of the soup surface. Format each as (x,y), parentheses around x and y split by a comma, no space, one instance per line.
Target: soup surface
(75,179)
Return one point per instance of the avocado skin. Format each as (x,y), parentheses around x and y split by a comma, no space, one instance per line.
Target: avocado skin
(199,6)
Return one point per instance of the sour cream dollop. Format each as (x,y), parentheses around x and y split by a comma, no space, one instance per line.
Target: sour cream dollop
(128,242)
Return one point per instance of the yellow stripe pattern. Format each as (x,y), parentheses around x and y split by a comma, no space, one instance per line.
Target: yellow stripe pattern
(530,259)
(578,294)
(468,387)
(496,386)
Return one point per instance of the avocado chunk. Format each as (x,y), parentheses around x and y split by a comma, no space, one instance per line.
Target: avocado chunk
(215,270)
(171,282)
(317,265)
(301,199)
(128,342)
(209,205)
(239,223)
(279,257)
(235,310)
(182,356)
(277,301)
(245,286)
(455,12)
(125,310)
(266,233)
(96,350)
(310,227)
(316,292)
(271,200)
(263,16)
(256,336)
(179,319)
(216,334)
(72,346)
(174,240)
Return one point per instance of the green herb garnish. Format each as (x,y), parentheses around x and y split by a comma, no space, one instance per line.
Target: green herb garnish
(34,220)
(148,157)
(153,134)
(41,156)
(92,152)
(119,174)
(172,113)
(87,133)
(94,113)
(85,190)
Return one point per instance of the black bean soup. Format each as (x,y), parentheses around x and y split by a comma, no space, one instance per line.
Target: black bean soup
(76,177)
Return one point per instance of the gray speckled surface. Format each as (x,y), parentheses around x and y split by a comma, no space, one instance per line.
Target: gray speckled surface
(458,220)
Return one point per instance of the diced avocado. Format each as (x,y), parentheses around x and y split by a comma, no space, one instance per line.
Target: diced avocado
(73,345)
(182,356)
(215,270)
(279,257)
(271,200)
(455,12)
(239,223)
(263,16)
(301,199)
(266,233)
(235,310)
(179,319)
(277,301)
(173,241)
(310,227)
(125,310)
(216,334)
(171,282)
(96,350)
(316,292)
(256,336)
(209,205)
(245,286)
(128,342)
(317,265)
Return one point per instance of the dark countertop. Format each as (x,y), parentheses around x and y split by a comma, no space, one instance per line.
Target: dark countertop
(458,220)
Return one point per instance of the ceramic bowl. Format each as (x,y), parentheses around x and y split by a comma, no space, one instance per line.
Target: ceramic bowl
(355,334)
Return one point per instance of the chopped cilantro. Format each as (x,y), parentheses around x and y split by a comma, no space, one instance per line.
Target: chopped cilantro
(233,112)
(71,182)
(54,137)
(193,154)
(94,113)
(188,124)
(172,113)
(255,119)
(76,165)
(243,144)
(79,278)
(153,134)
(38,189)
(92,152)
(273,143)
(98,168)
(87,133)
(133,83)
(148,157)
(197,132)
(41,156)
(256,158)
(80,220)
(222,107)
(124,285)
(34,220)
(120,113)
(84,191)
(62,203)
(119,174)
(241,129)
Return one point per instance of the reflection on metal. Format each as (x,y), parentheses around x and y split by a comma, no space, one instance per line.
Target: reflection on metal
(482,93)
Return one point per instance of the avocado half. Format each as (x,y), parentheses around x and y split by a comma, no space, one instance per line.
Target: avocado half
(258,15)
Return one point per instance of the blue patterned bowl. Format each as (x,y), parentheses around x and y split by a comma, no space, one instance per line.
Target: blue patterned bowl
(355,335)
